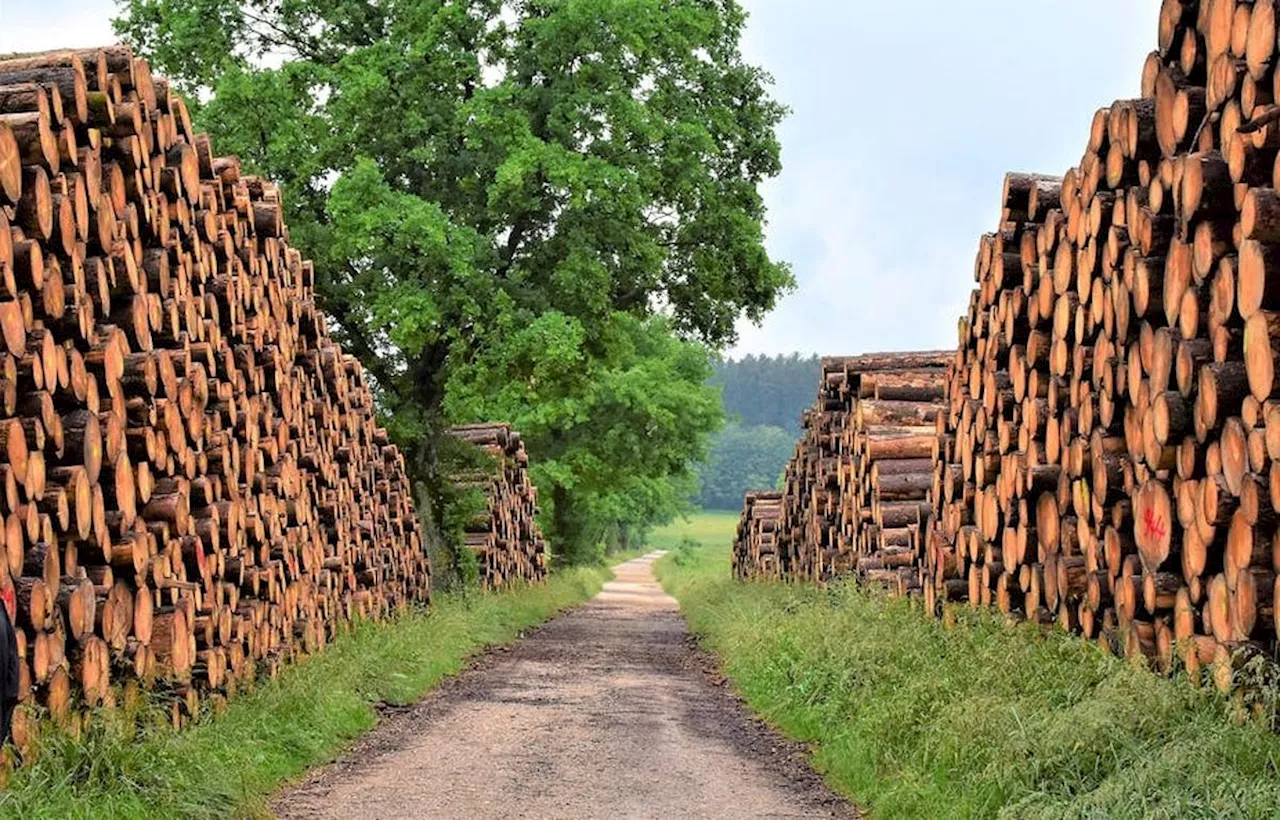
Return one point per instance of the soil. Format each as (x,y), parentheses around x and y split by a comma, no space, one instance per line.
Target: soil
(610,710)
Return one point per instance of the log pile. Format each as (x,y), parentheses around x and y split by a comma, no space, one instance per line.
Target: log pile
(1109,455)
(1108,461)
(894,401)
(857,486)
(504,536)
(812,546)
(757,547)
(192,482)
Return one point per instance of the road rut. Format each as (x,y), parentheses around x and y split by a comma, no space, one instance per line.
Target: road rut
(607,711)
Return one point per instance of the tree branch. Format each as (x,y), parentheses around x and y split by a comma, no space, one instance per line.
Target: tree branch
(518,229)
(283,38)
(359,345)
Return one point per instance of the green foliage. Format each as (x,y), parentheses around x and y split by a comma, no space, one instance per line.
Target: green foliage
(461,502)
(616,431)
(764,398)
(741,459)
(980,719)
(534,211)
(230,764)
(683,554)
(770,391)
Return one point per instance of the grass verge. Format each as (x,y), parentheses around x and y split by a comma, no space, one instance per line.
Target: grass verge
(913,718)
(230,764)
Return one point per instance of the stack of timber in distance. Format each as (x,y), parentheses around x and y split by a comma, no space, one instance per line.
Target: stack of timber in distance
(855,492)
(1110,458)
(812,545)
(757,547)
(894,401)
(505,537)
(192,482)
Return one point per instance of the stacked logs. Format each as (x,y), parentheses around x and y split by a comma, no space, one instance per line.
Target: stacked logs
(1109,455)
(894,401)
(757,545)
(1034,403)
(1109,459)
(504,536)
(192,482)
(856,489)
(813,548)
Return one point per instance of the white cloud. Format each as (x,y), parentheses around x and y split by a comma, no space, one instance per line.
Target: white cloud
(38,26)
(905,117)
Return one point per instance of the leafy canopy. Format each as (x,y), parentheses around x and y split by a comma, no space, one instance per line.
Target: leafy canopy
(538,211)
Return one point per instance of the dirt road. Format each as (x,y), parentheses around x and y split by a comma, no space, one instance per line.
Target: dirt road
(608,711)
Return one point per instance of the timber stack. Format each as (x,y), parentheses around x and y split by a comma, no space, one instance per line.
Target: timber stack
(193,485)
(856,491)
(812,545)
(757,546)
(894,401)
(504,537)
(1110,457)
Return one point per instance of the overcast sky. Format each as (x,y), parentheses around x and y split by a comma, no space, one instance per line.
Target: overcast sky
(904,118)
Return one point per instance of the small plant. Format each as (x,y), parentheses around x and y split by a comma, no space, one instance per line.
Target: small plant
(684,551)
(1257,687)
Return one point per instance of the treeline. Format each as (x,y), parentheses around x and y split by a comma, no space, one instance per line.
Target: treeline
(767,390)
(763,397)
(516,214)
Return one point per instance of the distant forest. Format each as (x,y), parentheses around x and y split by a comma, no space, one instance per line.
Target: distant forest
(768,390)
(764,397)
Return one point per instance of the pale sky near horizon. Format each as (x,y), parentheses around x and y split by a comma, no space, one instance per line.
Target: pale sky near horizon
(904,119)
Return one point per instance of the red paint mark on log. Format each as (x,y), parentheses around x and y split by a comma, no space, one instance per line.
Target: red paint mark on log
(1154,524)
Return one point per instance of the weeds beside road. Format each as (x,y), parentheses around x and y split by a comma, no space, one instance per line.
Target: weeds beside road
(229,764)
(915,718)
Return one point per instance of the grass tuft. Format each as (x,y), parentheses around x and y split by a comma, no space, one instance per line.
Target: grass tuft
(981,719)
(229,765)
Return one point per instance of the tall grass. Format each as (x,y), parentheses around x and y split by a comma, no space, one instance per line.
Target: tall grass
(914,718)
(228,765)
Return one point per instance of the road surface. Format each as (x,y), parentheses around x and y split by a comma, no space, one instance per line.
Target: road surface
(608,711)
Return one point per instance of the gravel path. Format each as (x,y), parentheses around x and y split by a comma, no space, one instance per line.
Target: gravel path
(609,711)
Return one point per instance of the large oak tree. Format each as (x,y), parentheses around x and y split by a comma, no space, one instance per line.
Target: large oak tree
(541,211)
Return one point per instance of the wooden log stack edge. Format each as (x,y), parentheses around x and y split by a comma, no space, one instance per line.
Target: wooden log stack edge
(1108,456)
(758,543)
(505,537)
(1108,461)
(857,486)
(193,486)
(810,529)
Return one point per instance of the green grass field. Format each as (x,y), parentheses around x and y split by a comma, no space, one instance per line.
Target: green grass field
(228,765)
(710,529)
(911,718)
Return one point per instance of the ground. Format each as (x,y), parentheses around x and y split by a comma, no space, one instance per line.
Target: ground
(608,711)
